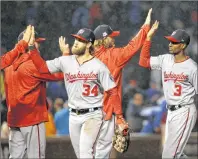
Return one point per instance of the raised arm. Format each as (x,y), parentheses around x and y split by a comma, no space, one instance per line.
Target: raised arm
(7,59)
(51,66)
(64,47)
(21,47)
(144,60)
(124,54)
(38,61)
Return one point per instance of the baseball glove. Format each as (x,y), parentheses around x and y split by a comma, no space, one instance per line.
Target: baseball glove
(121,139)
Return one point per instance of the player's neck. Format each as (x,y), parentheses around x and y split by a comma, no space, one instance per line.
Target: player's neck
(180,57)
(83,58)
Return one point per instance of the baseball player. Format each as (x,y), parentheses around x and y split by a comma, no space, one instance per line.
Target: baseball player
(115,59)
(86,79)
(179,78)
(25,91)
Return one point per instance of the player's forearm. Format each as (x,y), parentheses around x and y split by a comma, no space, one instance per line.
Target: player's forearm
(7,59)
(49,77)
(145,54)
(39,63)
(133,46)
(58,76)
(137,42)
(115,100)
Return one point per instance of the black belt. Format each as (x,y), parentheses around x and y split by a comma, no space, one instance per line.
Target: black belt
(174,107)
(84,111)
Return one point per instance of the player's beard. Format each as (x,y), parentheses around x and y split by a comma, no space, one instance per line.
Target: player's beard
(78,51)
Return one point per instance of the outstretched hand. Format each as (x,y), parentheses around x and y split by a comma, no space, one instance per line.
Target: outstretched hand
(27,34)
(148,18)
(32,38)
(63,46)
(152,30)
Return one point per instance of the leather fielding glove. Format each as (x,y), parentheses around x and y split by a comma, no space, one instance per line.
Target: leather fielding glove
(121,139)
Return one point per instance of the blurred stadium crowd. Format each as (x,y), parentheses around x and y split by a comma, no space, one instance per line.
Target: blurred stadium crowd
(143,101)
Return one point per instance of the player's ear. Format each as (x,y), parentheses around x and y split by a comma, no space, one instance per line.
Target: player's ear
(89,44)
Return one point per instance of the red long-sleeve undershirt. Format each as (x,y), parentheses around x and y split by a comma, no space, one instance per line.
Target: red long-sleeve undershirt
(145,55)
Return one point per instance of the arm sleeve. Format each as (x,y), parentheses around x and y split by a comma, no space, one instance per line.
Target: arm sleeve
(54,65)
(49,76)
(109,86)
(106,79)
(10,56)
(115,100)
(32,71)
(156,62)
(144,60)
(124,54)
(42,66)
(147,61)
(193,81)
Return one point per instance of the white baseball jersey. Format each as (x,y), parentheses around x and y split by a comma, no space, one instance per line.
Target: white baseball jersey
(84,83)
(179,79)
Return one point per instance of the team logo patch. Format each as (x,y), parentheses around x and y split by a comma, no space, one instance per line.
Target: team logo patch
(174,33)
(104,34)
(81,31)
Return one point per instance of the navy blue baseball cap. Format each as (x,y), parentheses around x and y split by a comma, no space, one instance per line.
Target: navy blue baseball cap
(179,36)
(85,34)
(104,30)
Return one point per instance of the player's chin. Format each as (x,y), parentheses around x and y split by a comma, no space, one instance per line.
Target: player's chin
(74,50)
(171,51)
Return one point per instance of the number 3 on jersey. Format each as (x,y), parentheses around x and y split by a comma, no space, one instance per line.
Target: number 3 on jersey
(178,89)
(88,91)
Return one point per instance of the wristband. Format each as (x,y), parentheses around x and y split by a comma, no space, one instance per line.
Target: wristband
(31,47)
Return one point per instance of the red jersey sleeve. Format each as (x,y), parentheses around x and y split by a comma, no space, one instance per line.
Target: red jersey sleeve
(144,60)
(113,105)
(48,76)
(40,70)
(38,61)
(124,54)
(7,59)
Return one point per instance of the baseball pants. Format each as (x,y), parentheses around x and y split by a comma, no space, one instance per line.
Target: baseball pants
(179,125)
(84,130)
(104,141)
(27,142)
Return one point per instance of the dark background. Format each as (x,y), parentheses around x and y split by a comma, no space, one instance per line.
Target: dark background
(53,19)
